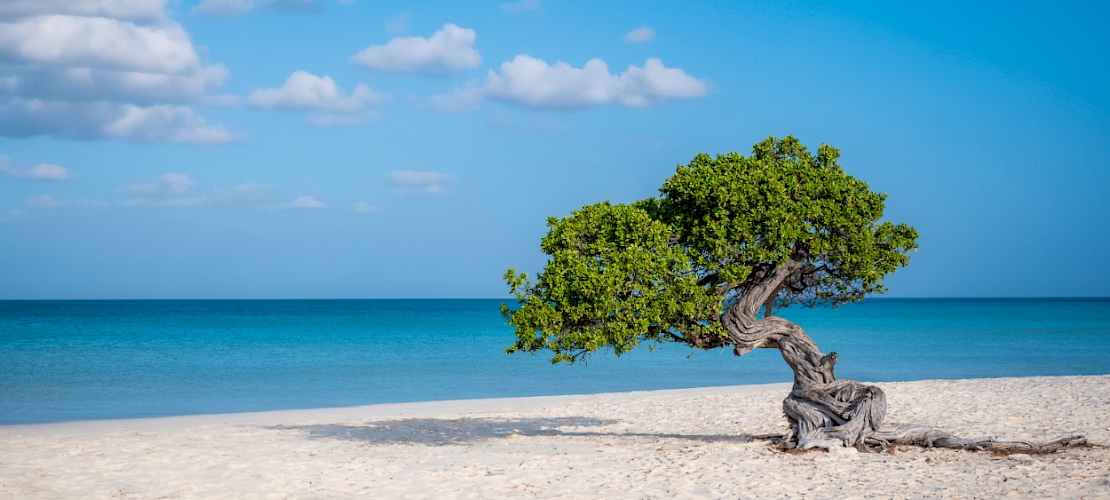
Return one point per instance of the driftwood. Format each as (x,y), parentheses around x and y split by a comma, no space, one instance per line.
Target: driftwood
(825,412)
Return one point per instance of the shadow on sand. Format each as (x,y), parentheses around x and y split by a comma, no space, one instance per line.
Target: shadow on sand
(435,431)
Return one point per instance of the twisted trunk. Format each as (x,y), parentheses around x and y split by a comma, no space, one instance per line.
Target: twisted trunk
(825,412)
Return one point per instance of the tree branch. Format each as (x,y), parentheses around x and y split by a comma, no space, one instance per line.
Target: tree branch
(708,280)
(756,295)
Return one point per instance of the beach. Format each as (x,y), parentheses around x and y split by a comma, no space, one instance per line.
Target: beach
(686,443)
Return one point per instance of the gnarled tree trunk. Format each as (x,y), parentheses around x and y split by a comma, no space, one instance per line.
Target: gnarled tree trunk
(825,412)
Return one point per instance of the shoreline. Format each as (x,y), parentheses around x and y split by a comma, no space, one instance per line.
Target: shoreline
(383,410)
(678,443)
(437,407)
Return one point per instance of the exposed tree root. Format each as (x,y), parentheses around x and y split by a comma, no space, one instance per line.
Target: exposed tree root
(859,424)
(825,412)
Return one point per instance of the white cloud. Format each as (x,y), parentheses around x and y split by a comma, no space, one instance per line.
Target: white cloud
(230,8)
(95,84)
(362,207)
(105,120)
(134,10)
(166,123)
(532,83)
(643,34)
(522,6)
(448,50)
(88,69)
(304,91)
(306,202)
(399,25)
(414,182)
(48,172)
(40,172)
(93,58)
(98,42)
(171,184)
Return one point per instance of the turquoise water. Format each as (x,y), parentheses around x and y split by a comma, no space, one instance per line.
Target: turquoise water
(77,360)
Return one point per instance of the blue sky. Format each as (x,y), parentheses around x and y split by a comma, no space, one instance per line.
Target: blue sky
(318,148)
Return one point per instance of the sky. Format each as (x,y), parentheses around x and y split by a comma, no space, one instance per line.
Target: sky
(157,149)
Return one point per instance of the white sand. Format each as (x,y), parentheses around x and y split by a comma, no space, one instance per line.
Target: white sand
(678,444)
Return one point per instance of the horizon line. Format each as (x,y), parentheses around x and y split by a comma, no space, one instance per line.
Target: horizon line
(1016,298)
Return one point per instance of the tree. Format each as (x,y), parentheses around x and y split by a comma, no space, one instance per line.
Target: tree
(728,237)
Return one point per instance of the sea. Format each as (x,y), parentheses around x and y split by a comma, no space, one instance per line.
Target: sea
(84,360)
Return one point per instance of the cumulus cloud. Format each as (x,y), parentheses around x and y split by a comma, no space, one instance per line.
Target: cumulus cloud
(420,182)
(531,82)
(97,42)
(231,8)
(66,57)
(307,202)
(133,10)
(449,50)
(75,68)
(523,6)
(171,184)
(643,34)
(105,120)
(304,91)
(165,123)
(40,172)
(48,172)
(70,84)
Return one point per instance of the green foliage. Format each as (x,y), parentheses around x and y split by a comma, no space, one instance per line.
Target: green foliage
(664,268)
(613,280)
(735,213)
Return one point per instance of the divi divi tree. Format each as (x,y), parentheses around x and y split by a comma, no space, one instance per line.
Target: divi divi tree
(728,241)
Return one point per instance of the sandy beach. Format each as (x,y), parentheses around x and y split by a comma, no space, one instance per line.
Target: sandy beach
(692,443)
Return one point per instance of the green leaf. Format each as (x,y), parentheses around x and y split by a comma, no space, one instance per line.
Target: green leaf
(664,269)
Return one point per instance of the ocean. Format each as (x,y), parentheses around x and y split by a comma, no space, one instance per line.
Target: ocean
(81,360)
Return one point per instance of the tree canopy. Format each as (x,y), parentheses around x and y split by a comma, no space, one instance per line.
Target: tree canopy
(726,237)
(669,268)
